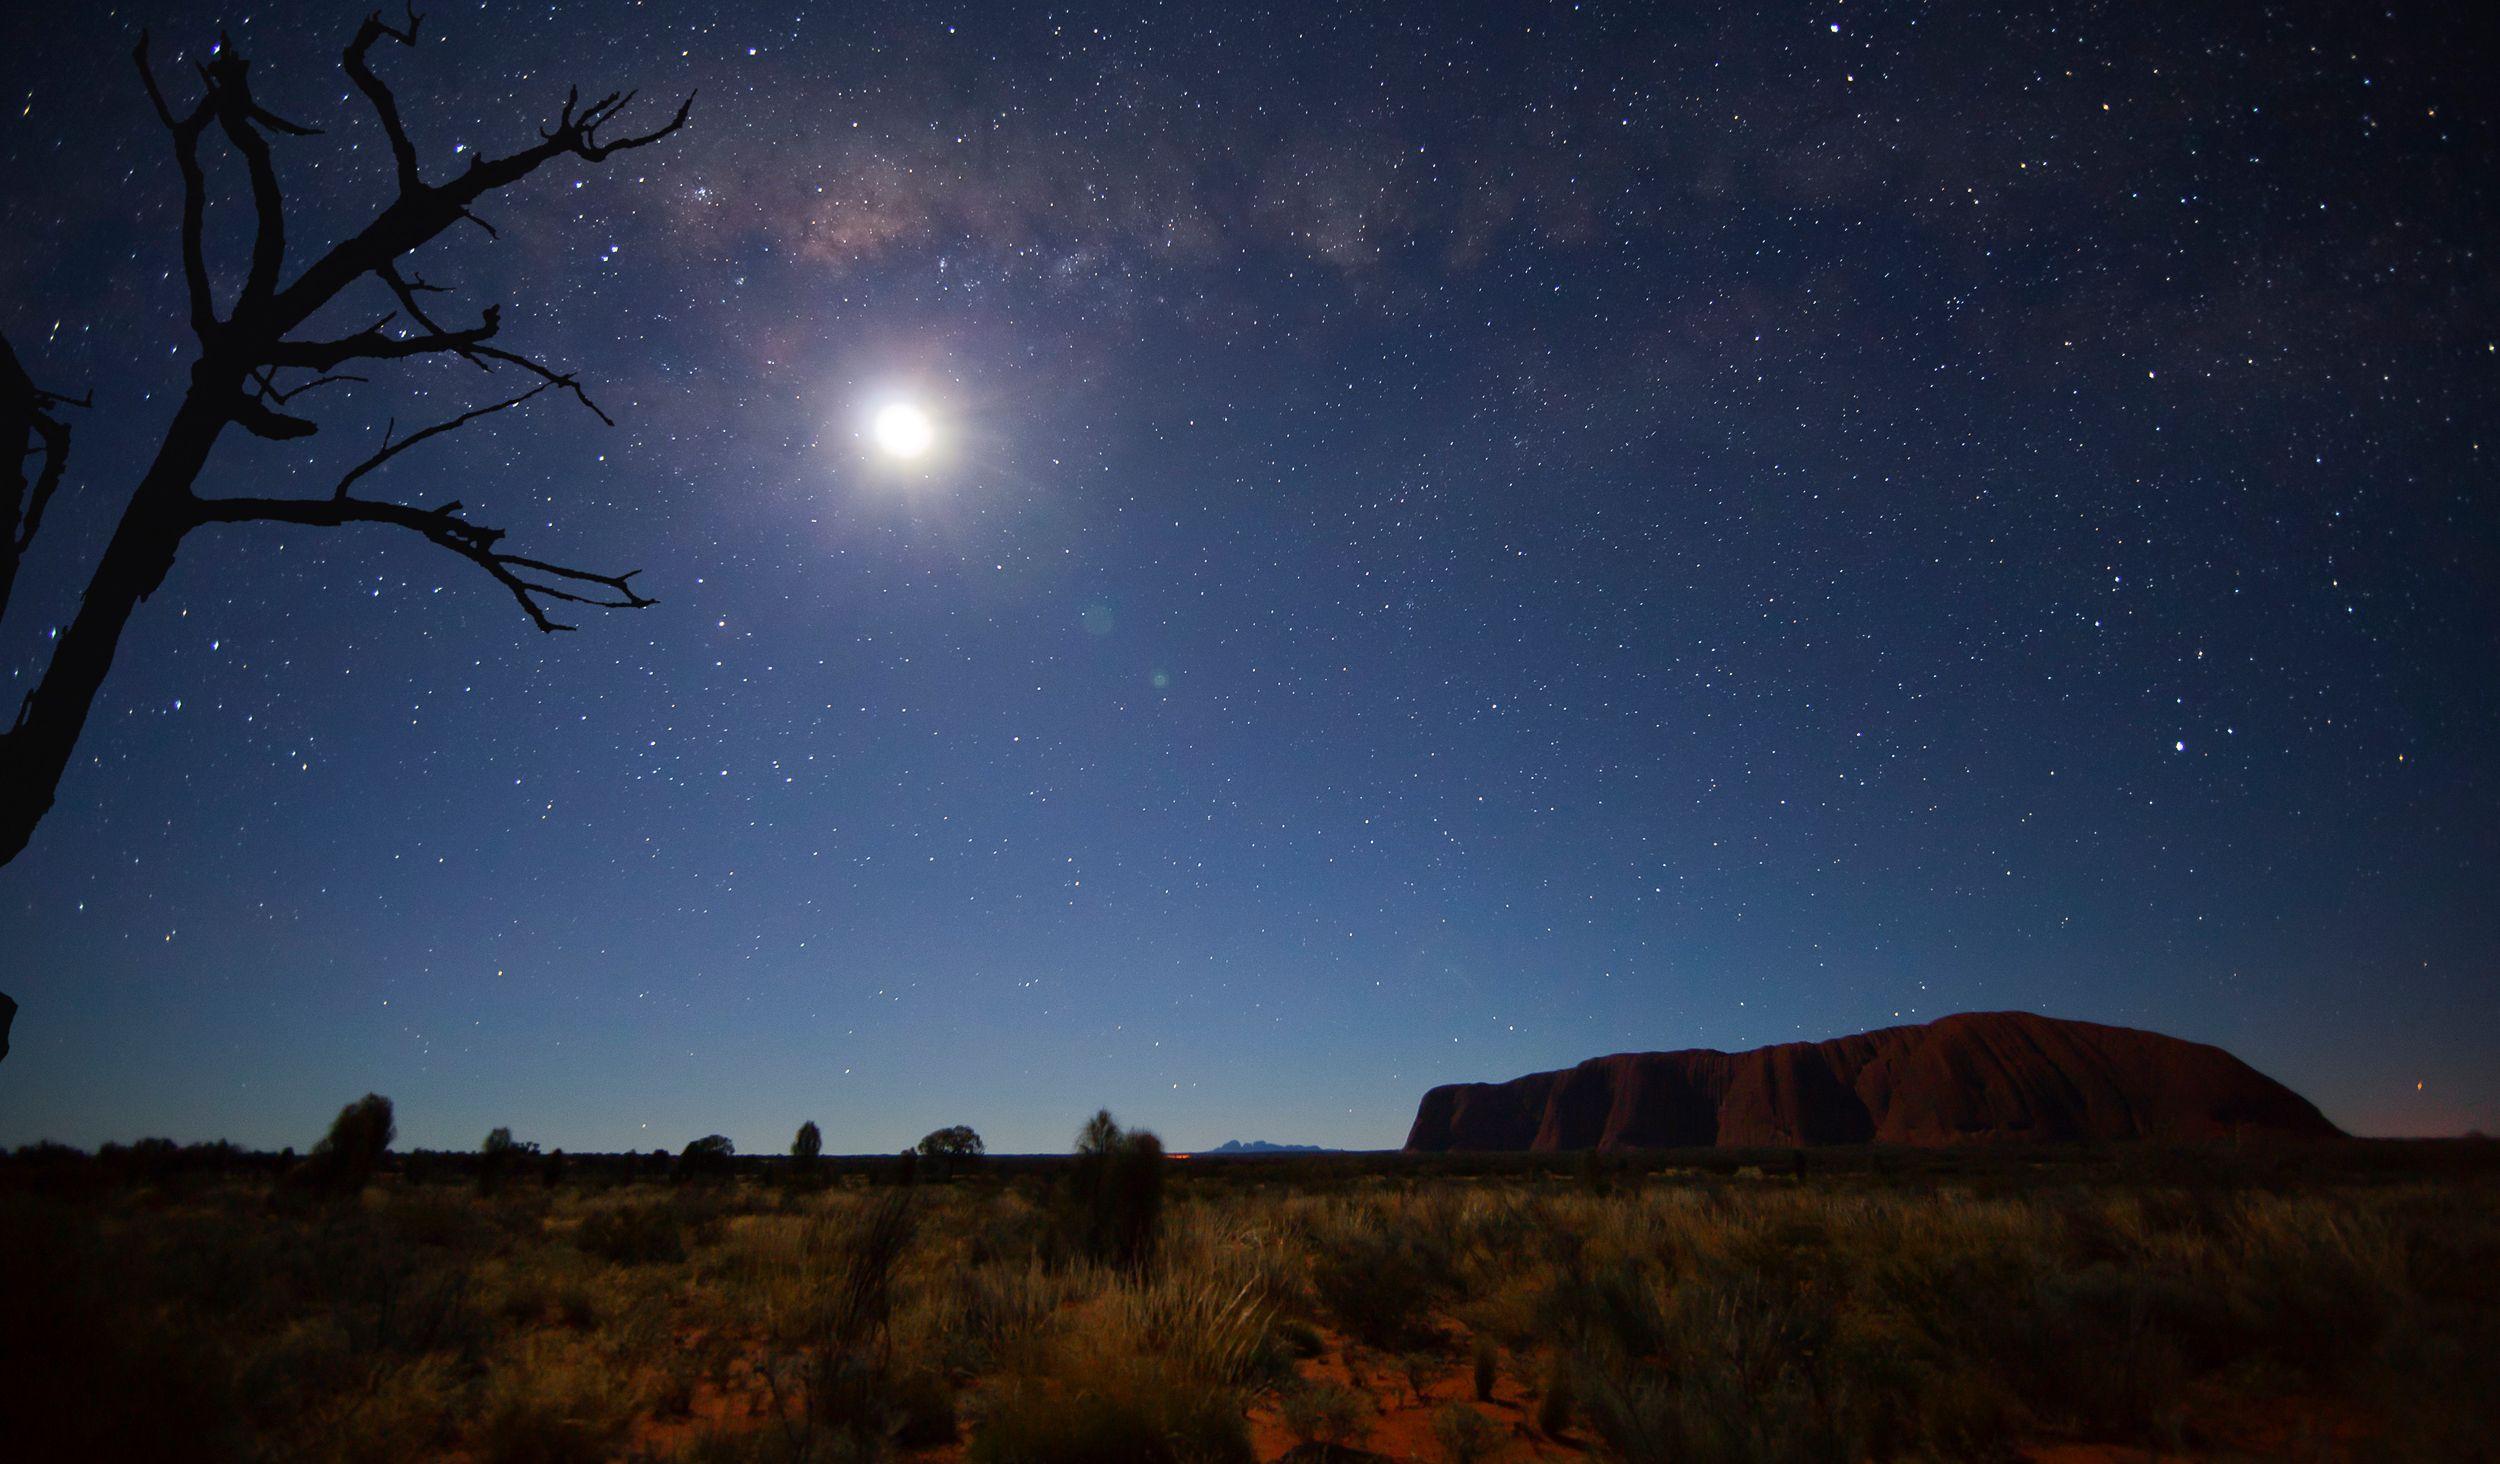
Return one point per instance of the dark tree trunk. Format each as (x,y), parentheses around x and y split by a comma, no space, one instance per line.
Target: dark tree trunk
(36,751)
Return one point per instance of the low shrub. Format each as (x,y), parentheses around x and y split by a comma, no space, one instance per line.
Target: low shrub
(551,1402)
(647,1234)
(1376,1286)
(1465,1436)
(1136,1416)
(1324,1415)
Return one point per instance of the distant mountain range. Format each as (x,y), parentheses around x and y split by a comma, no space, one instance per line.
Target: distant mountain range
(1981,1077)
(1262,1146)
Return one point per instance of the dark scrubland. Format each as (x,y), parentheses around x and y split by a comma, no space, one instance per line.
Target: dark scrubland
(2330,1300)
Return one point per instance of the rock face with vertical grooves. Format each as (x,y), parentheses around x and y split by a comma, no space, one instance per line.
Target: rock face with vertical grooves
(1981,1077)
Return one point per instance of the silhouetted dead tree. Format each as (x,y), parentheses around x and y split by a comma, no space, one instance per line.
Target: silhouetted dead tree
(252,367)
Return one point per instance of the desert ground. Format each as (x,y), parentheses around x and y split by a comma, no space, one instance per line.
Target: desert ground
(2313,1302)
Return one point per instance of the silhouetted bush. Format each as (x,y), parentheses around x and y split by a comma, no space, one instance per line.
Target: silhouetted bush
(347,1156)
(706,1158)
(1115,1191)
(499,1157)
(809,1143)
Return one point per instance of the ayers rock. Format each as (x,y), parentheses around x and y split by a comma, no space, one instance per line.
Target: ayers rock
(1981,1077)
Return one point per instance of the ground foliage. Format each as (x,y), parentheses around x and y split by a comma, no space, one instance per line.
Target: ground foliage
(199,1304)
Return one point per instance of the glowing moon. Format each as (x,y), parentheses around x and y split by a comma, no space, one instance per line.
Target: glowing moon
(903,430)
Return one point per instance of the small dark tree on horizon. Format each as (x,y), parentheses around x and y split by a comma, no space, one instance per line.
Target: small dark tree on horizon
(804,1149)
(955,1144)
(706,1158)
(252,366)
(499,1156)
(944,1152)
(1117,1188)
(345,1159)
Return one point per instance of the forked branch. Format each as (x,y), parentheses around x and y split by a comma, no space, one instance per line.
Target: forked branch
(385,106)
(235,381)
(186,131)
(531,581)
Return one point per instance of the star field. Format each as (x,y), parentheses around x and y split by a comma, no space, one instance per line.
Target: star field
(1459,544)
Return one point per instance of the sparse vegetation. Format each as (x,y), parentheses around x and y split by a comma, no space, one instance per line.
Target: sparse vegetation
(168,1309)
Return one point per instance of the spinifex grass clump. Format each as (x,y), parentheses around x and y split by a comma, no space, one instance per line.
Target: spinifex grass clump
(1376,1284)
(1324,1415)
(1137,1415)
(645,1233)
(852,1384)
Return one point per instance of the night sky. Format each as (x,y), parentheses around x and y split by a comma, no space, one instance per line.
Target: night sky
(1454,545)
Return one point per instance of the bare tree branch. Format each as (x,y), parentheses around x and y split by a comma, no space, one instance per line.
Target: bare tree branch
(549,375)
(385,106)
(268,379)
(186,134)
(235,383)
(55,435)
(371,344)
(27,429)
(391,449)
(230,95)
(527,579)
(261,420)
(417,217)
(407,290)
